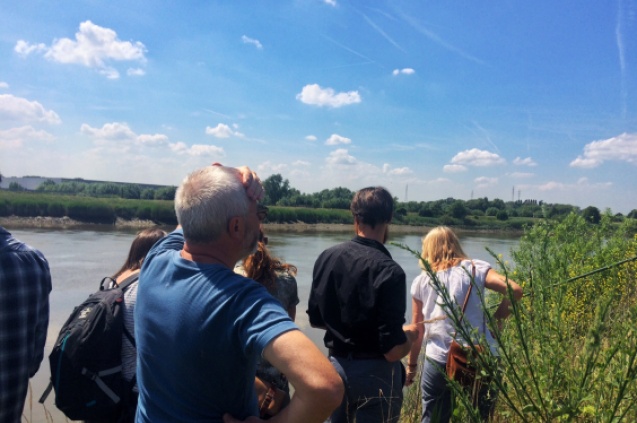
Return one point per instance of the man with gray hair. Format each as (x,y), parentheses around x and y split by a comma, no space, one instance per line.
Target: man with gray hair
(200,327)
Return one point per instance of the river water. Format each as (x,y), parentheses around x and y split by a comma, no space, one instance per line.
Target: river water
(80,258)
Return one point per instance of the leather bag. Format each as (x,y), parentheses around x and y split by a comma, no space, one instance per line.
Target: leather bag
(270,399)
(461,365)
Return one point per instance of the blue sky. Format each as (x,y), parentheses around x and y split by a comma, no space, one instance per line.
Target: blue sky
(500,99)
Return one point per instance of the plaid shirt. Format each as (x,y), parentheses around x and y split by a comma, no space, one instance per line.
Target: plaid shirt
(25,284)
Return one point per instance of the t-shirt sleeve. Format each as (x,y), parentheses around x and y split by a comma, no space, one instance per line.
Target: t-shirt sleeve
(482,268)
(416,287)
(262,320)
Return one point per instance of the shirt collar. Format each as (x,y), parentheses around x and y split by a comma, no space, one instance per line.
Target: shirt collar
(371,243)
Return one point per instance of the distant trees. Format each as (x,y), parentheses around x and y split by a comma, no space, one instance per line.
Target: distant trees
(591,214)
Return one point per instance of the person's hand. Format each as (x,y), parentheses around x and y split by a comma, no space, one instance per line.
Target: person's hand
(227,418)
(411,375)
(411,330)
(250,181)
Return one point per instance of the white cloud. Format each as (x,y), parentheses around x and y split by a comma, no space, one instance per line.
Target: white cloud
(387,169)
(248,40)
(330,2)
(475,157)
(341,157)
(521,175)
(405,71)
(582,185)
(24,49)
(16,137)
(135,72)
(336,139)
(4,85)
(269,168)
(454,168)
(524,162)
(224,131)
(310,138)
(485,182)
(620,148)
(301,163)
(315,95)
(93,47)
(196,150)
(119,136)
(18,109)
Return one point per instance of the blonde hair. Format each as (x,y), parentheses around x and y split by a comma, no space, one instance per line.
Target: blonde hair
(441,248)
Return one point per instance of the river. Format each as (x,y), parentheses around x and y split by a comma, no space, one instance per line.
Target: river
(80,258)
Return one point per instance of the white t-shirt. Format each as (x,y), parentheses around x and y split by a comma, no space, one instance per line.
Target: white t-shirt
(439,334)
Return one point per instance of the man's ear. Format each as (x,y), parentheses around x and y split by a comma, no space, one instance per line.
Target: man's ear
(236,227)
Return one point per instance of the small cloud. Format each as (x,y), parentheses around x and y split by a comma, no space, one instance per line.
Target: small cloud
(454,168)
(16,137)
(120,134)
(310,138)
(301,163)
(135,72)
(4,85)
(330,2)
(269,167)
(484,182)
(582,185)
(93,47)
(475,157)
(405,71)
(197,150)
(619,148)
(17,109)
(387,169)
(336,139)
(521,175)
(524,162)
(223,131)
(248,40)
(341,157)
(315,95)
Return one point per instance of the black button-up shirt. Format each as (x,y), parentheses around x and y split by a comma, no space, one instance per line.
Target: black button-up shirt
(359,296)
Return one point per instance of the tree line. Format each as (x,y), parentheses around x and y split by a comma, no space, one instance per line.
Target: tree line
(280,194)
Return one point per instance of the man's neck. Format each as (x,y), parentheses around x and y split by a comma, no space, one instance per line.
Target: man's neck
(207,254)
(377,233)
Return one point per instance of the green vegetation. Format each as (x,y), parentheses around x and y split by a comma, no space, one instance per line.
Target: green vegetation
(104,202)
(568,353)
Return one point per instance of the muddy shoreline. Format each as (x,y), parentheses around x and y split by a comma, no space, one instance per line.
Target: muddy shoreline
(42,222)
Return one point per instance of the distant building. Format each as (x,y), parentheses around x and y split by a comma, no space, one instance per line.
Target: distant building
(30,183)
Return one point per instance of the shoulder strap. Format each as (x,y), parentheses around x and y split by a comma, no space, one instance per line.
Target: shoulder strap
(129,280)
(471,282)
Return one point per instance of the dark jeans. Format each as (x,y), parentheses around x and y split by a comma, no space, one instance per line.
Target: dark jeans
(436,395)
(373,390)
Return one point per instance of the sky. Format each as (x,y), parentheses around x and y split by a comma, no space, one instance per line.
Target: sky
(514,100)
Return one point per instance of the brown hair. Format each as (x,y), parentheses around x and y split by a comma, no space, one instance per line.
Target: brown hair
(373,205)
(139,248)
(262,267)
(441,248)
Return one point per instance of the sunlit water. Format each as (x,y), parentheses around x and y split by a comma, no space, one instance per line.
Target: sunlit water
(80,258)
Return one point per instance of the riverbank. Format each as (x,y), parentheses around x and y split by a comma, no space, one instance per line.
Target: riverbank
(45,222)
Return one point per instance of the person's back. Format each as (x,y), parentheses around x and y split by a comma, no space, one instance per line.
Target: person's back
(200,328)
(25,284)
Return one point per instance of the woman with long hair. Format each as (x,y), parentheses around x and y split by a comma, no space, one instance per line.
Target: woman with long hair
(279,279)
(456,273)
(142,243)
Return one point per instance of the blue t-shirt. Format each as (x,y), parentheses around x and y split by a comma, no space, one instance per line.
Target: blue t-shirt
(200,329)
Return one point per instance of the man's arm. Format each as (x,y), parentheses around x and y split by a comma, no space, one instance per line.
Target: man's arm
(318,389)
(399,351)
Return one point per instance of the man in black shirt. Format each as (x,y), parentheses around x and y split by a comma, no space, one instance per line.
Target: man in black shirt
(358,296)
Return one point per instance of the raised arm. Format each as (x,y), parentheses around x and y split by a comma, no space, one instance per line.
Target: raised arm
(498,283)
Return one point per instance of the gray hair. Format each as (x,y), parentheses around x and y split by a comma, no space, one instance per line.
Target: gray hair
(207,199)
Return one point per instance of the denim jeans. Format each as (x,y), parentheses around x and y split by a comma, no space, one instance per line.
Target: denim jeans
(373,390)
(437,404)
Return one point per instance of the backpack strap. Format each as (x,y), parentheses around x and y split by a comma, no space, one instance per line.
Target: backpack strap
(129,280)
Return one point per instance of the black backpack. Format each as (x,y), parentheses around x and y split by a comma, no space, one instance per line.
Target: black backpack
(86,363)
